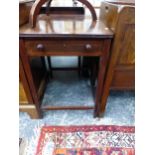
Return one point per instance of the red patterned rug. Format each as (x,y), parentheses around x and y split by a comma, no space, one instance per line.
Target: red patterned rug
(86,140)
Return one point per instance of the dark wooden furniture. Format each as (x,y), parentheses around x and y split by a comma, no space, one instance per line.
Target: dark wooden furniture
(26,103)
(56,35)
(121,68)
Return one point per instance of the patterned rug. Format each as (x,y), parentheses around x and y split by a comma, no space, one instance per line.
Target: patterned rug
(86,140)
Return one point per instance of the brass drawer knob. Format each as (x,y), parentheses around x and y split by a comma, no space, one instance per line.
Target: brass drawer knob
(88,47)
(40,47)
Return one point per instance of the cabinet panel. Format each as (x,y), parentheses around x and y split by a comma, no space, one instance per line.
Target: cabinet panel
(127,51)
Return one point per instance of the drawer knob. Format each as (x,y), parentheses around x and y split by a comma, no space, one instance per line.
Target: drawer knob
(88,47)
(40,47)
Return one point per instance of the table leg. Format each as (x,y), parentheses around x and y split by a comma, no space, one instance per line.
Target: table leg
(27,69)
(101,77)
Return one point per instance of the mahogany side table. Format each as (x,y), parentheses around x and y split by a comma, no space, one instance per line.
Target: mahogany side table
(56,35)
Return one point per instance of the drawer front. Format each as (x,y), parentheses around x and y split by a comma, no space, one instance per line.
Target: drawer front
(59,47)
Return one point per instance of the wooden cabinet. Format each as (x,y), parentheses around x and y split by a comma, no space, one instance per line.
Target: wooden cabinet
(121,69)
(121,20)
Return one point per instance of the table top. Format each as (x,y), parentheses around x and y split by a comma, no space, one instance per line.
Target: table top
(66,26)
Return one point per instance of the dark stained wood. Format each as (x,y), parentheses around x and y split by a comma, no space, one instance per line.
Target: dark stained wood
(62,10)
(42,86)
(120,73)
(27,69)
(104,53)
(101,76)
(127,51)
(63,47)
(38,4)
(67,108)
(50,66)
(39,73)
(63,27)
(26,61)
(24,90)
(78,37)
(123,79)
(65,54)
(25,96)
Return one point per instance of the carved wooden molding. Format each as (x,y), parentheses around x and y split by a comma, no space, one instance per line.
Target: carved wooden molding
(38,4)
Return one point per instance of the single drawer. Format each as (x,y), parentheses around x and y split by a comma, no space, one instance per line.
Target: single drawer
(63,47)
